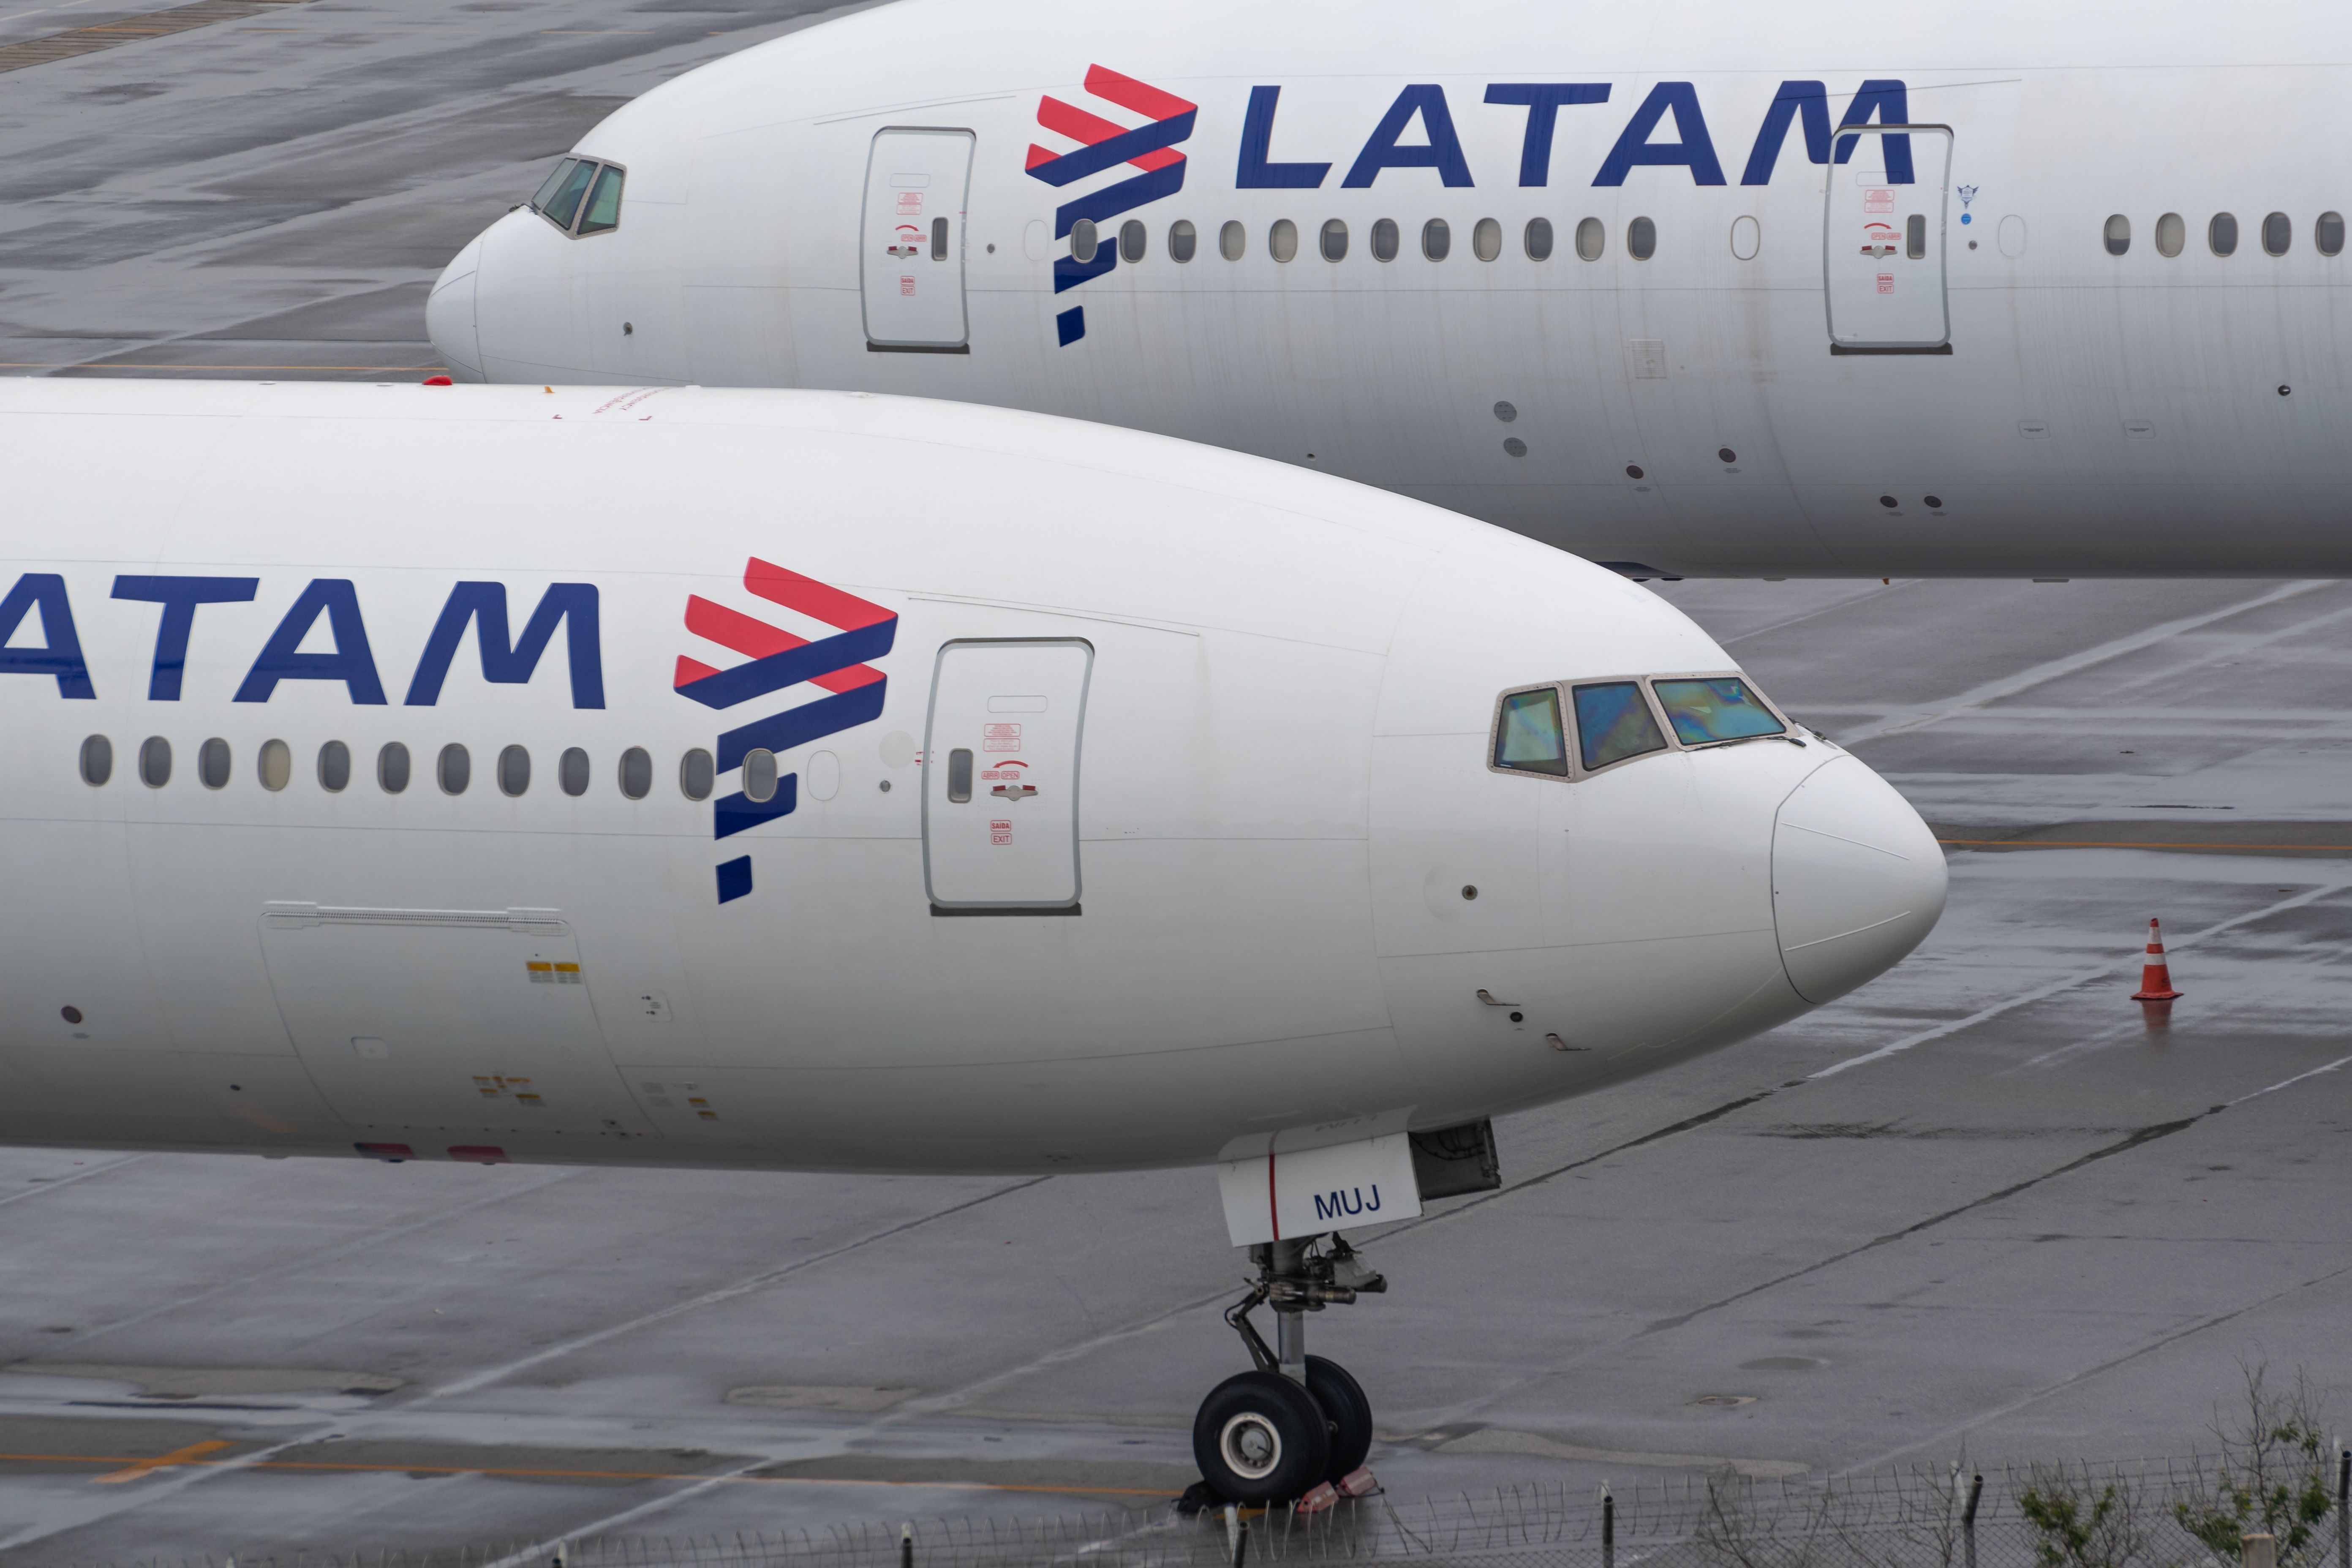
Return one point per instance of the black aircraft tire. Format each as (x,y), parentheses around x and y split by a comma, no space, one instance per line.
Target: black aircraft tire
(1261,1439)
(1347,1411)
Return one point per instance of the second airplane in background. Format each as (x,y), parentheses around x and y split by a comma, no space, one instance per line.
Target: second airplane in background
(1694,288)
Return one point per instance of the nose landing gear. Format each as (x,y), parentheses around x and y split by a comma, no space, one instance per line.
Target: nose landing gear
(1298,1422)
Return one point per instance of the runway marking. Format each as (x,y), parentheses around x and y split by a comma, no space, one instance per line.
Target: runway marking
(2064,983)
(2064,1384)
(1907,721)
(56,1181)
(311,1261)
(45,10)
(133,1468)
(94,365)
(712,1298)
(2285,1083)
(2121,844)
(1845,604)
(78,41)
(137,1469)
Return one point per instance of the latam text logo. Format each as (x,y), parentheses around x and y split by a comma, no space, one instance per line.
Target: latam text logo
(1418,130)
(348,658)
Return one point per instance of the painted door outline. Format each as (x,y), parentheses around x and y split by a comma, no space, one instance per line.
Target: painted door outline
(1932,173)
(892,253)
(935,769)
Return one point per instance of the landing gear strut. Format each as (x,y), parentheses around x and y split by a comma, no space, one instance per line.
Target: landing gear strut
(1278,1433)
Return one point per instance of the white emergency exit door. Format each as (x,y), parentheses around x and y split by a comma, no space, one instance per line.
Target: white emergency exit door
(910,264)
(1001,774)
(1882,250)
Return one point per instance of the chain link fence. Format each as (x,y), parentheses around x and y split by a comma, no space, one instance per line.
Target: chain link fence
(2160,1513)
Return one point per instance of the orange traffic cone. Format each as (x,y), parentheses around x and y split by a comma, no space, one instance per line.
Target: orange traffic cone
(2155,975)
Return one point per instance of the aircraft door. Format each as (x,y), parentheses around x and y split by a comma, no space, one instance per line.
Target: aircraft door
(441,1027)
(1883,239)
(1001,774)
(910,260)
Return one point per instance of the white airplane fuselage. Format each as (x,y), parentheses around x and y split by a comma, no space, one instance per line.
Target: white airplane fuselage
(828,781)
(1679,321)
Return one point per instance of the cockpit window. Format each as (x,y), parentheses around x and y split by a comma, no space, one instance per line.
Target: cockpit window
(1719,708)
(545,199)
(1528,736)
(582,196)
(1614,722)
(561,206)
(603,213)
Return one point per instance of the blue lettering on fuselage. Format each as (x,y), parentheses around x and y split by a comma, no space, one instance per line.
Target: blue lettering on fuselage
(353,661)
(1884,101)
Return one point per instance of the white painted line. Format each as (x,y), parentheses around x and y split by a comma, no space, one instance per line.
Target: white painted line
(2286,1082)
(55,1182)
(2066,983)
(759,1282)
(1904,721)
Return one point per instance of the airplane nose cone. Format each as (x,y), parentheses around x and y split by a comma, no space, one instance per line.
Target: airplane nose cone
(449,315)
(1857,880)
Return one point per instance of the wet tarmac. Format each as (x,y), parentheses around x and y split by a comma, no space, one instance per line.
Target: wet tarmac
(1988,1201)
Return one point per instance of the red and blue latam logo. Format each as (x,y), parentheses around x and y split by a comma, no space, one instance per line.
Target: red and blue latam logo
(777,660)
(1106,144)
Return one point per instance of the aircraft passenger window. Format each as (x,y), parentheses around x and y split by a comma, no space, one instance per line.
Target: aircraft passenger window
(514,771)
(571,771)
(2221,233)
(2171,235)
(2118,235)
(959,775)
(275,764)
(1720,708)
(1486,239)
(1591,238)
(559,200)
(939,239)
(1384,240)
(1232,240)
(603,212)
(392,768)
(2329,234)
(212,764)
(695,775)
(1335,241)
(1746,239)
(636,773)
(1528,735)
(155,762)
(334,767)
(1915,237)
(97,760)
(1183,240)
(1613,723)
(456,769)
(1282,239)
(1640,240)
(1436,239)
(2278,234)
(1131,238)
(760,775)
(1538,239)
(1084,241)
